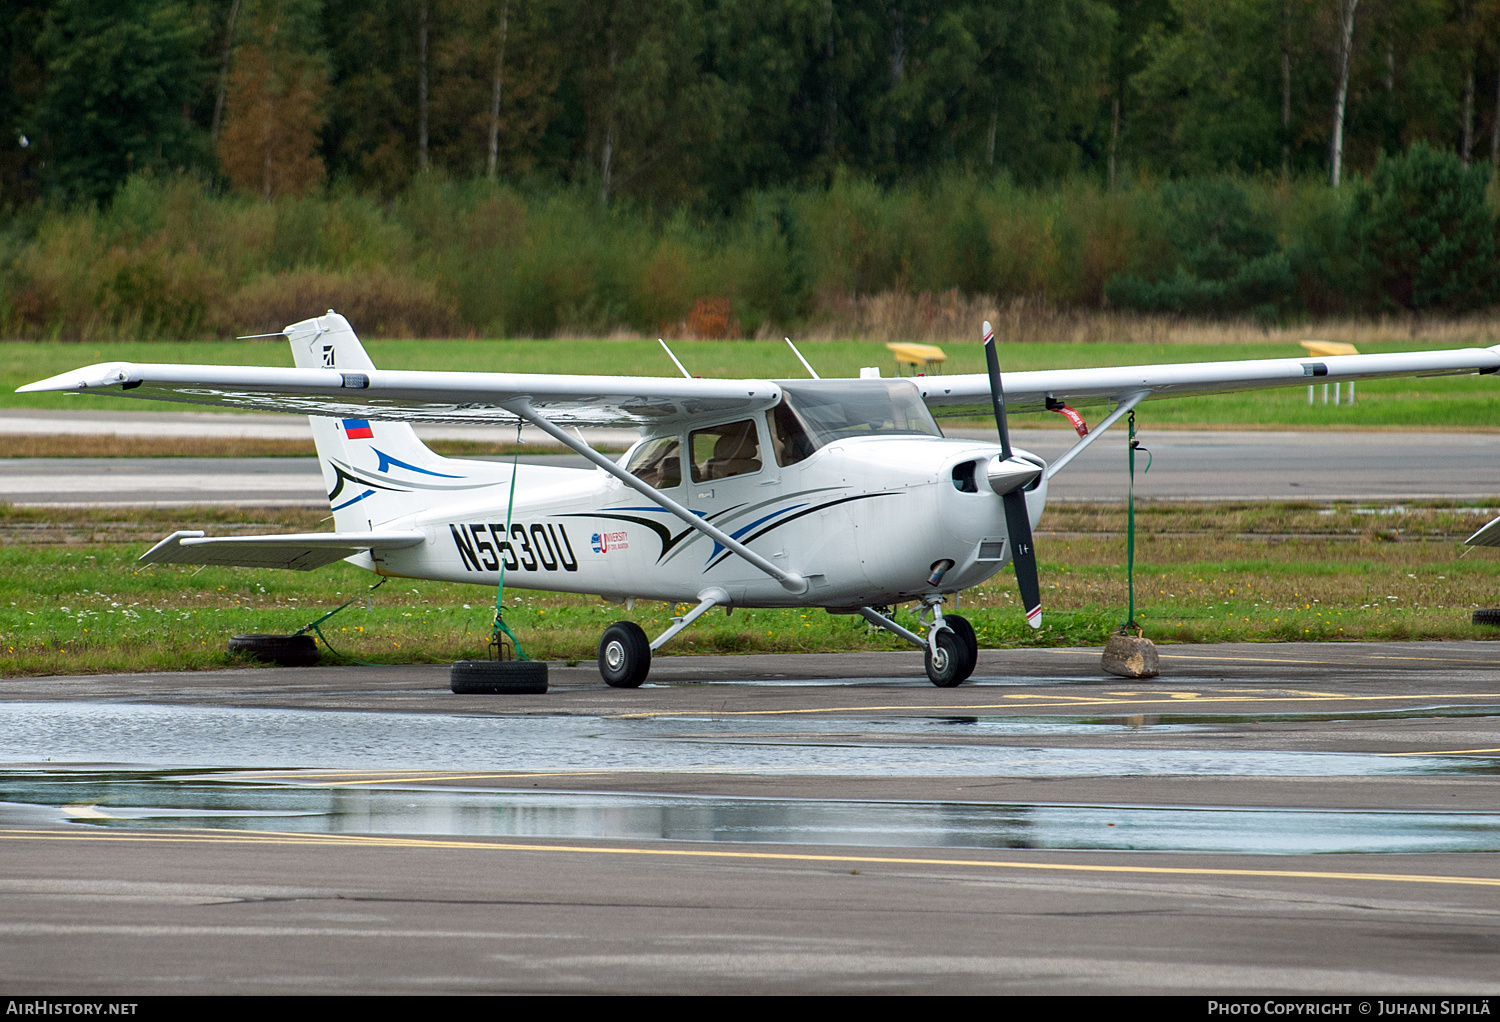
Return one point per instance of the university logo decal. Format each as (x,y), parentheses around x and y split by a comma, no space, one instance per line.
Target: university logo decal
(604,542)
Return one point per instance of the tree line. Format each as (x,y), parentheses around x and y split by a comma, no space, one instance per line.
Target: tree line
(698,103)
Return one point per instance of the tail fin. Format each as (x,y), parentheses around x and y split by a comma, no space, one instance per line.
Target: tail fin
(375,471)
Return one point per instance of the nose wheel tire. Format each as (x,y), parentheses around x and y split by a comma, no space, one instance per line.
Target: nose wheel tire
(624,655)
(965,633)
(945,660)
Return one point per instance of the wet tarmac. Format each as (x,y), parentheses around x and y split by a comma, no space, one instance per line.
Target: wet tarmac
(1291,818)
(155,800)
(177,736)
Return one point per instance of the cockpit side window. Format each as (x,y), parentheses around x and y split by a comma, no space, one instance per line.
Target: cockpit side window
(658,463)
(788,439)
(720,452)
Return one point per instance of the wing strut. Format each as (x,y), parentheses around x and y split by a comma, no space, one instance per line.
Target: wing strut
(1126,404)
(790,580)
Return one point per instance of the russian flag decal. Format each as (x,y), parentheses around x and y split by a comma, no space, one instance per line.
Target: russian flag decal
(358,429)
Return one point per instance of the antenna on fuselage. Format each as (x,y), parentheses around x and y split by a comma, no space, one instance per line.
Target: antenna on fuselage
(673,358)
(805,363)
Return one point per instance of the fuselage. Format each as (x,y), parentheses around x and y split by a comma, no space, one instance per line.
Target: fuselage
(867,520)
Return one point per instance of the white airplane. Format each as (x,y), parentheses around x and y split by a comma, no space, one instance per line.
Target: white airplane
(840,494)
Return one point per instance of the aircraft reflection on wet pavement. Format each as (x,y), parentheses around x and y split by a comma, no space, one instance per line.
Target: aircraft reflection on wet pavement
(166,800)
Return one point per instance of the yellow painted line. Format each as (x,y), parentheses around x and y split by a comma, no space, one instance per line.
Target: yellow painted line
(1449,752)
(1081,702)
(463,777)
(1256,660)
(368,841)
(394,777)
(1283,660)
(1442,659)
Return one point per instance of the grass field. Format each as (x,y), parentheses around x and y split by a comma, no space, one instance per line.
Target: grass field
(1466,402)
(73,600)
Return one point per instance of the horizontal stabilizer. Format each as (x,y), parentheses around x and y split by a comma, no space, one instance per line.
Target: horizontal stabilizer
(298,551)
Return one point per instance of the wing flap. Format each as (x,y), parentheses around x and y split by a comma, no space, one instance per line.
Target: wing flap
(297,551)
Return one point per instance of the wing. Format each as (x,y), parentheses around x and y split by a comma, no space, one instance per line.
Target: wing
(1028,391)
(417,396)
(299,551)
(1487,536)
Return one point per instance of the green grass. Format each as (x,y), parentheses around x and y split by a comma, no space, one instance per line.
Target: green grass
(1465,402)
(74,600)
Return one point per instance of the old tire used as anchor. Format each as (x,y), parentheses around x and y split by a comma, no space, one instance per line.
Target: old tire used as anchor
(624,655)
(282,650)
(498,677)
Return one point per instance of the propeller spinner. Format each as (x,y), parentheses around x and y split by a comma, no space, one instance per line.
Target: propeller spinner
(1008,476)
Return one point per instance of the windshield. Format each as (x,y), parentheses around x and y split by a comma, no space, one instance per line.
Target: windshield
(813,414)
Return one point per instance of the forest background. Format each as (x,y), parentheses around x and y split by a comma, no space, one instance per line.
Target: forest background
(199,168)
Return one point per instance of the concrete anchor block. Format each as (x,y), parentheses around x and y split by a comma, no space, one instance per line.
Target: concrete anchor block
(1131,656)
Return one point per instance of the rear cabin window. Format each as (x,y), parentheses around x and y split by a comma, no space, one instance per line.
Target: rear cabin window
(658,463)
(720,452)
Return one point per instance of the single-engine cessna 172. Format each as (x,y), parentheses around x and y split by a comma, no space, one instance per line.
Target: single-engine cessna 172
(840,494)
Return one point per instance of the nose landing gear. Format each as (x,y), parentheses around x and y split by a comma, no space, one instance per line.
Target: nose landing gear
(951,648)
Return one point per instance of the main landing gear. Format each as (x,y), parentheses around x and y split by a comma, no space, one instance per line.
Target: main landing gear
(625,653)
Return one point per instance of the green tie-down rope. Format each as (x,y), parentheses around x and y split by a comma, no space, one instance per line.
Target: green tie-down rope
(1130,449)
(501,628)
(313,627)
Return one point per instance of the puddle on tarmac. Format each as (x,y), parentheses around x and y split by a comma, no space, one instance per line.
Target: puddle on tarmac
(211,737)
(164,801)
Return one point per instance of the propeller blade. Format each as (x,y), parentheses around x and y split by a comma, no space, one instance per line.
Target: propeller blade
(997,392)
(1017,517)
(1023,555)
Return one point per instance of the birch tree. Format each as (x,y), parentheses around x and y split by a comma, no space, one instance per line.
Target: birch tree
(494,153)
(1345,32)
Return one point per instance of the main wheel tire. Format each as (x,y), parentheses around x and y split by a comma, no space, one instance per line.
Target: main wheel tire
(496,677)
(970,641)
(282,650)
(624,655)
(1487,616)
(945,668)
